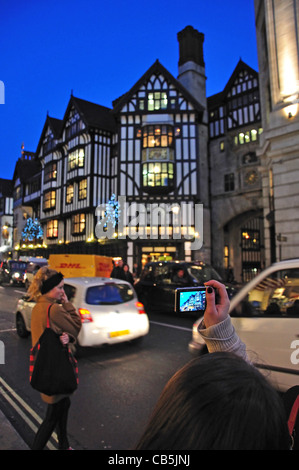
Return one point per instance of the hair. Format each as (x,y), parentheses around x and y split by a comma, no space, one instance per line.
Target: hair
(34,290)
(217,402)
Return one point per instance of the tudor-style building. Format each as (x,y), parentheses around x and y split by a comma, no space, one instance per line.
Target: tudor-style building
(151,148)
(75,154)
(26,184)
(162,150)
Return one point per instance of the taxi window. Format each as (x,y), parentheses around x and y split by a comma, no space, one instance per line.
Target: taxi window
(109,294)
(276,296)
(147,274)
(162,274)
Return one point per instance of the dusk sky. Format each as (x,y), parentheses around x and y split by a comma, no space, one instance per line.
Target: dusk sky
(99,49)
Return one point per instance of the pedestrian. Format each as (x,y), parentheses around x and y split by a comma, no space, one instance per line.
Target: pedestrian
(118,270)
(219,401)
(128,274)
(47,288)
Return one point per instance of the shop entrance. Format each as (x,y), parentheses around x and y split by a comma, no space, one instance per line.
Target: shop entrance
(151,252)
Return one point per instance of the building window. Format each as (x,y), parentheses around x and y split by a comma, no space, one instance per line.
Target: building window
(49,201)
(74,125)
(76,159)
(157,100)
(229,182)
(216,124)
(78,224)
(226,256)
(156,175)
(50,172)
(52,229)
(248,136)
(69,193)
(158,158)
(82,189)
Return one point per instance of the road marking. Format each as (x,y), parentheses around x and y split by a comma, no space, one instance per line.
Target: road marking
(17,398)
(8,329)
(171,326)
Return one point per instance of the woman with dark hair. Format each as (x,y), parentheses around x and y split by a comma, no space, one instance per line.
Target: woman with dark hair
(47,290)
(219,401)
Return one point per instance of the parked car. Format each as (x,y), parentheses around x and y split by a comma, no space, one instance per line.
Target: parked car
(265,314)
(33,265)
(109,310)
(160,279)
(13,272)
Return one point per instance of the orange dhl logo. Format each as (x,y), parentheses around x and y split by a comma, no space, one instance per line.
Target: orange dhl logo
(69,266)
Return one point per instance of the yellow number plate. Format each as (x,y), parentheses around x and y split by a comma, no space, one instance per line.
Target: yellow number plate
(113,334)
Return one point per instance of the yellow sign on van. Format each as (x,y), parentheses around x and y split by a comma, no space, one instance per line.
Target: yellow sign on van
(81,265)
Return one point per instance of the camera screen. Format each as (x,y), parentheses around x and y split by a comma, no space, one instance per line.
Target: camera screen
(191,300)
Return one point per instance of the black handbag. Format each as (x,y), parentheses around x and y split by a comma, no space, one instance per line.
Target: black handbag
(53,369)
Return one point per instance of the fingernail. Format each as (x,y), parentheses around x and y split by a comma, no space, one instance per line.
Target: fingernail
(210,290)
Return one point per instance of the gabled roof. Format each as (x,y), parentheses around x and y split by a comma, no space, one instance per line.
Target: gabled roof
(218,98)
(25,169)
(6,187)
(93,115)
(56,127)
(156,68)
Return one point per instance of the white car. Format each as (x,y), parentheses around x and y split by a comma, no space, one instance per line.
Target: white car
(109,310)
(265,314)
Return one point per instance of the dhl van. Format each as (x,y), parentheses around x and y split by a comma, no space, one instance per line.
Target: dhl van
(81,265)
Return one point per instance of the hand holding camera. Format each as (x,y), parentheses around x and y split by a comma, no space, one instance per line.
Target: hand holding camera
(215,312)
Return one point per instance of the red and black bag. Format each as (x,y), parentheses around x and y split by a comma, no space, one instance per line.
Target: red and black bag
(291,403)
(53,369)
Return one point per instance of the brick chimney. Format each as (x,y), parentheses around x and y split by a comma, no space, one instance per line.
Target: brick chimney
(191,63)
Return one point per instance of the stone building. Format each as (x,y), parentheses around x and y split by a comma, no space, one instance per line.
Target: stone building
(277,26)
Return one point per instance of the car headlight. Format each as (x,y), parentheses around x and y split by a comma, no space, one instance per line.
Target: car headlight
(16,275)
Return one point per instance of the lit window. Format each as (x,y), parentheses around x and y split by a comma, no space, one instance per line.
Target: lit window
(78,224)
(49,201)
(50,172)
(76,159)
(52,229)
(158,174)
(157,158)
(157,100)
(69,193)
(83,189)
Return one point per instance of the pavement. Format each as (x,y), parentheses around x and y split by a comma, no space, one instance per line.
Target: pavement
(10,439)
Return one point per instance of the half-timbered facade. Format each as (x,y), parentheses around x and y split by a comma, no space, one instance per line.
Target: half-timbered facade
(158,158)
(26,184)
(236,188)
(76,174)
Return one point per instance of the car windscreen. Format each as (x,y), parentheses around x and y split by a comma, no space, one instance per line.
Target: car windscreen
(204,273)
(17,266)
(109,294)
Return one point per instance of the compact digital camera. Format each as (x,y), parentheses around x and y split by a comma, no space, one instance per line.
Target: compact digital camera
(190,299)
